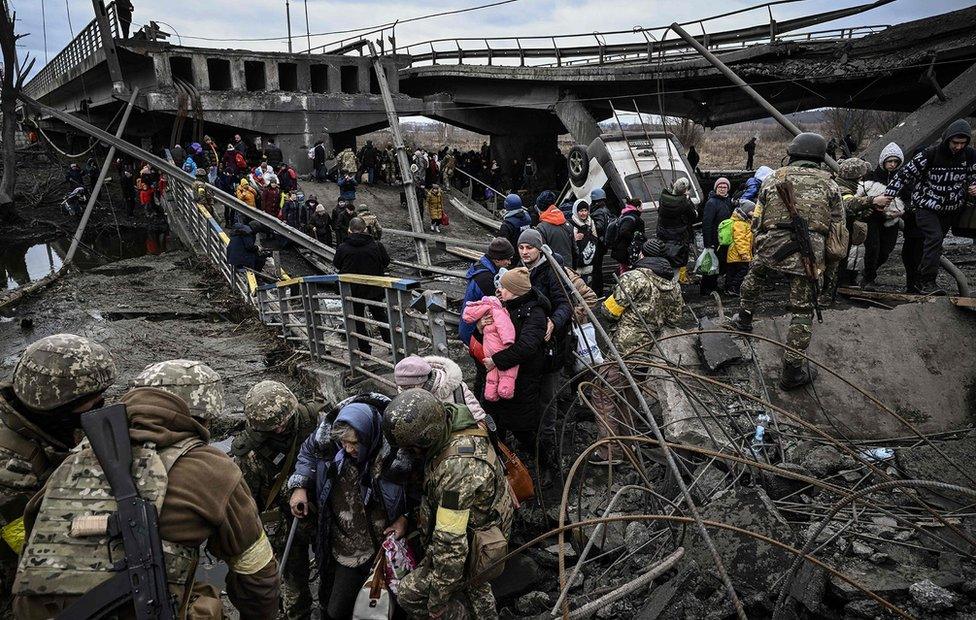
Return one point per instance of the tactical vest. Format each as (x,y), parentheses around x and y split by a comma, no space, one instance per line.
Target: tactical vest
(463,445)
(812,187)
(69,553)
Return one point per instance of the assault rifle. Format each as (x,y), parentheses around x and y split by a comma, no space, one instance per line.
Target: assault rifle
(142,572)
(801,243)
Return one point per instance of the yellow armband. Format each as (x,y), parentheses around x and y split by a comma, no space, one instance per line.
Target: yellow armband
(14,534)
(613,307)
(254,558)
(452,521)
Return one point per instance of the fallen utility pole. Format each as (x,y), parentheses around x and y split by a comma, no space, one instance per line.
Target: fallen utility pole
(413,206)
(101,180)
(749,90)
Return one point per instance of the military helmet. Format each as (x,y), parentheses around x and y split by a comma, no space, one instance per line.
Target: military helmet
(268,405)
(414,419)
(808,145)
(61,369)
(201,172)
(853,168)
(196,383)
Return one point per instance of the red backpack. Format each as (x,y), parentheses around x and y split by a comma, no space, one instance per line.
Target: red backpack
(240,161)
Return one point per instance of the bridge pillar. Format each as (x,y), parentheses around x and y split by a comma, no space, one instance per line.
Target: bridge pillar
(237,74)
(304,77)
(335,79)
(578,121)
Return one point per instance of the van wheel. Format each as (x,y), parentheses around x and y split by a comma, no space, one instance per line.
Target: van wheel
(578,163)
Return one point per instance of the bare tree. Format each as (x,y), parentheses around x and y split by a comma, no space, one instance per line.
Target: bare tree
(11,82)
(686,130)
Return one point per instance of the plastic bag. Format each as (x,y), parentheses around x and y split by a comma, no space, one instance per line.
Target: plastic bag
(399,561)
(707,263)
(588,351)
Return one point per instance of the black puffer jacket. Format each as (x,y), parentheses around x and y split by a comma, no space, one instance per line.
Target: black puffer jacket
(675,217)
(363,255)
(522,412)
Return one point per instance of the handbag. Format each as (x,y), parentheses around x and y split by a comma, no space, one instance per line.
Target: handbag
(859,232)
(519,478)
(373,601)
(445,220)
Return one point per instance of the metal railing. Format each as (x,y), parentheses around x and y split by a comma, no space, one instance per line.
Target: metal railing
(321,315)
(85,45)
(477,190)
(600,52)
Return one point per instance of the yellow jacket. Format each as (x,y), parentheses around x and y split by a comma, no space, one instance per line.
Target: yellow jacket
(741,249)
(246,194)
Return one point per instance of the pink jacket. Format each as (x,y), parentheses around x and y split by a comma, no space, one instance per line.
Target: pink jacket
(498,336)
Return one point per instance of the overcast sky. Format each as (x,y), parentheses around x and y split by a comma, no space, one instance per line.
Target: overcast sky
(249,19)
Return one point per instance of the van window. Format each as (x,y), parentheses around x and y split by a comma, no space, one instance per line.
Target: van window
(654,180)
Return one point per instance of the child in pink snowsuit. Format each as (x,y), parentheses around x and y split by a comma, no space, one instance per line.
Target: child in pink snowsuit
(498,336)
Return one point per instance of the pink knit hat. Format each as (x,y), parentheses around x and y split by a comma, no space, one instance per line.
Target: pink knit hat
(720,181)
(411,371)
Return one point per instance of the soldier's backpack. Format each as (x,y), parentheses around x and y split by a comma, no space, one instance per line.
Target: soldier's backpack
(725,232)
(240,161)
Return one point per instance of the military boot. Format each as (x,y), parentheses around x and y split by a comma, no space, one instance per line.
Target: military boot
(796,375)
(742,321)
(930,288)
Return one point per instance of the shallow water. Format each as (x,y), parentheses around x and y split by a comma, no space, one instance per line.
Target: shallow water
(24,263)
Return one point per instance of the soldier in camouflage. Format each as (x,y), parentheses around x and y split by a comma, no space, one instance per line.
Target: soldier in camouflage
(466,503)
(645,300)
(372,223)
(857,209)
(818,201)
(56,379)
(202,191)
(197,489)
(276,426)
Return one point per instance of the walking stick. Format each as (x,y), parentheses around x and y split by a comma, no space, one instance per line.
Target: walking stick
(291,539)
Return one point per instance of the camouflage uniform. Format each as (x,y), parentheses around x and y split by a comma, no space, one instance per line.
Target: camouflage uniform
(856,209)
(347,162)
(818,201)
(465,490)
(642,300)
(54,372)
(266,457)
(203,192)
(372,224)
(171,460)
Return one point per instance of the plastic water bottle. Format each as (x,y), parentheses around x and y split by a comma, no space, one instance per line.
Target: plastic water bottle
(757,441)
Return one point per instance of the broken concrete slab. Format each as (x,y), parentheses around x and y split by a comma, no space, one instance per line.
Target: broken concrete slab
(717,350)
(916,358)
(753,566)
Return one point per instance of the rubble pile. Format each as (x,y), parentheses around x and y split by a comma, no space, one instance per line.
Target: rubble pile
(887,523)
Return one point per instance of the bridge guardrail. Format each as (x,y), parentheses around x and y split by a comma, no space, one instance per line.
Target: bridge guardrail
(85,45)
(319,315)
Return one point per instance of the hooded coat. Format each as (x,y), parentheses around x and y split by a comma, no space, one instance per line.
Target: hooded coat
(445,383)
(514,222)
(938,178)
(320,458)
(223,515)
(528,315)
(755,182)
(499,335)
(741,249)
(587,246)
(246,193)
(242,251)
(630,226)
(876,183)
(557,234)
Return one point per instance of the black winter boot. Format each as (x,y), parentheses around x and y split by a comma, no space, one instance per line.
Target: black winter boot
(795,376)
(929,287)
(742,321)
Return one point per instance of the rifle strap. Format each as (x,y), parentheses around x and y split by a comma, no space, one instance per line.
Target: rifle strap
(283,474)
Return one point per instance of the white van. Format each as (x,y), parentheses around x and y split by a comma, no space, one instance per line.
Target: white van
(630,165)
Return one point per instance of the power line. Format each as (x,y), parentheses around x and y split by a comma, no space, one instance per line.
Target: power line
(364,28)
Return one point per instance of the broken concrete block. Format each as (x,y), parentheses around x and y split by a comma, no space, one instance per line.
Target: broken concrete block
(717,350)
(861,550)
(520,574)
(533,603)
(931,597)
(824,461)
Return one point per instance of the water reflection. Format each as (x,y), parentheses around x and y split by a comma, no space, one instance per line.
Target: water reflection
(23,263)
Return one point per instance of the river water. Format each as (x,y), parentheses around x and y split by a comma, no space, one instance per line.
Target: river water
(24,263)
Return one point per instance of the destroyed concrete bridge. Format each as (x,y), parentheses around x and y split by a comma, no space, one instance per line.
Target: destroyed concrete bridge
(334,95)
